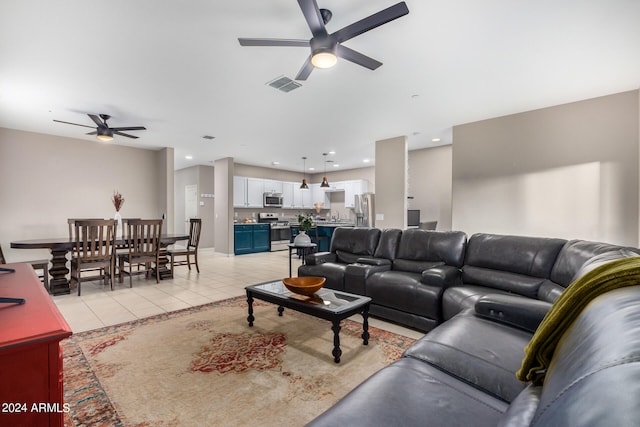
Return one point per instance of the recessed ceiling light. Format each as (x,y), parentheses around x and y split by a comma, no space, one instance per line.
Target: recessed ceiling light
(312,169)
(335,165)
(275,163)
(332,152)
(365,160)
(435,139)
(189,157)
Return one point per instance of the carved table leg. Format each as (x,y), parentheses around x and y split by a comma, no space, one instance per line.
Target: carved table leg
(59,285)
(336,341)
(250,317)
(280,310)
(365,325)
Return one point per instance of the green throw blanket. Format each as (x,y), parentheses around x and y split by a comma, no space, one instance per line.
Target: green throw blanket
(612,275)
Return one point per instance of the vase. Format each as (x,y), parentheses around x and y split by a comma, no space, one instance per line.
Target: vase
(302,239)
(118,219)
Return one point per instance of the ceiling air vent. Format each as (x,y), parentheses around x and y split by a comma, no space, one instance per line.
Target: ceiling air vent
(284,84)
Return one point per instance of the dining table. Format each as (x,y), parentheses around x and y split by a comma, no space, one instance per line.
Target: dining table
(59,247)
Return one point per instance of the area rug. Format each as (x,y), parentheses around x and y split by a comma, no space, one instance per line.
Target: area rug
(204,366)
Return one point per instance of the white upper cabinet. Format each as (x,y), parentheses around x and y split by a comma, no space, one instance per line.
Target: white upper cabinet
(255,191)
(272,186)
(239,192)
(351,188)
(288,189)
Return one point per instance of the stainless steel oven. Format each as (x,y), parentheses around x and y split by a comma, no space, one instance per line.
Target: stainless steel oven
(280,232)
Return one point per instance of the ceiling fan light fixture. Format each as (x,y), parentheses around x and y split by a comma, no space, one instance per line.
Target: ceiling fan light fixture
(104,135)
(324,58)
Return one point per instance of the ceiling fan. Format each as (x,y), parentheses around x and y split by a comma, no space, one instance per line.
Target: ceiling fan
(103,131)
(326,48)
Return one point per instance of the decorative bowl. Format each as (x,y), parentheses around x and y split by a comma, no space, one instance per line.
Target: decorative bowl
(307,285)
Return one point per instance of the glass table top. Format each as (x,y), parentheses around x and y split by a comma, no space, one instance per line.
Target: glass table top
(326,299)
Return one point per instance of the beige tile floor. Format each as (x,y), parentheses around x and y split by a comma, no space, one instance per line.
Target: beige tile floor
(220,277)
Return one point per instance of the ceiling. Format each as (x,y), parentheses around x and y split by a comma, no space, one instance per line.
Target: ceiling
(176,67)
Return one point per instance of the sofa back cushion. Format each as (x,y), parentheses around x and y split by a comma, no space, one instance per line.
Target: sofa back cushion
(388,244)
(517,264)
(349,244)
(595,370)
(574,260)
(419,249)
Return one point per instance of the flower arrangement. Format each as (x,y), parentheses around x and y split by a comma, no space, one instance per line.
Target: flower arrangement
(305,222)
(117,200)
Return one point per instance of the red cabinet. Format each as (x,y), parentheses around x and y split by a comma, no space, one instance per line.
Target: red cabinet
(31,388)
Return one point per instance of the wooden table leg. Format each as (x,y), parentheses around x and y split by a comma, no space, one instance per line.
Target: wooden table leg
(58,284)
(336,341)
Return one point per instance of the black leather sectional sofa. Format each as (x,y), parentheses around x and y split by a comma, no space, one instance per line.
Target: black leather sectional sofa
(462,372)
(420,278)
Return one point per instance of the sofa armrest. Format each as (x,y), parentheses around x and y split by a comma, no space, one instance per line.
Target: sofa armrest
(441,276)
(523,313)
(374,261)
(320,258)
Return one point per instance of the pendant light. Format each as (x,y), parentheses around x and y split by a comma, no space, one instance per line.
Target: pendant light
(304,185)
(325,182)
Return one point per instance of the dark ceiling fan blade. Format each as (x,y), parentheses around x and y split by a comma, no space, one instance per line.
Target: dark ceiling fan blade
(371,22)
(95,132)
(306,69)
(273,42)
(96,119)
(124,134)
(75,124)
(357,58)
(314,19)
(129,128)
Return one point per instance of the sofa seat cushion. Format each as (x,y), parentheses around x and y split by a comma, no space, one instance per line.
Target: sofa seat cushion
(333,271)
(478,351)
(413,393)
(404,291)
(459,298)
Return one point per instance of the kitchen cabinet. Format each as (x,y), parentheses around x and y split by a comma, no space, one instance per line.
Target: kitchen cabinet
(302,198)
(351,188)
(272,186)
(288,189)
(239,192)
(251,238)
(319,196)
(255,191)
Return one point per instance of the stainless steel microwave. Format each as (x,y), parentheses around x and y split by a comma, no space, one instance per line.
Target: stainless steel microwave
(272,200)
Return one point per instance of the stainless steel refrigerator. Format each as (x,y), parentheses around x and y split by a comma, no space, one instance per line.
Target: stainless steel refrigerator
(365,210)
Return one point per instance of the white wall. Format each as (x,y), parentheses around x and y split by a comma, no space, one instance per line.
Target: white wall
(567,171)
(46,179)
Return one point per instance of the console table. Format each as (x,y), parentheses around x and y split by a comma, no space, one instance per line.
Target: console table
(31,389)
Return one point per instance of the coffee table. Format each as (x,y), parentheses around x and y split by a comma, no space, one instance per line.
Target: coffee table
(326,304)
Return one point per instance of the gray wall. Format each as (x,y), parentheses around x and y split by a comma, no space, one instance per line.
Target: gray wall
(46,179)
(569,171)
(203,177)
(430,184)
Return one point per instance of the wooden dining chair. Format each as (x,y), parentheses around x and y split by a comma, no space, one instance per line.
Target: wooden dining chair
(94,250)
(195,225)
(39,264)
(143,241)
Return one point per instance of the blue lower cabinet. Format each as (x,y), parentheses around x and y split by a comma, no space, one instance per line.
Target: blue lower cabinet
(261,238)
(249,239)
